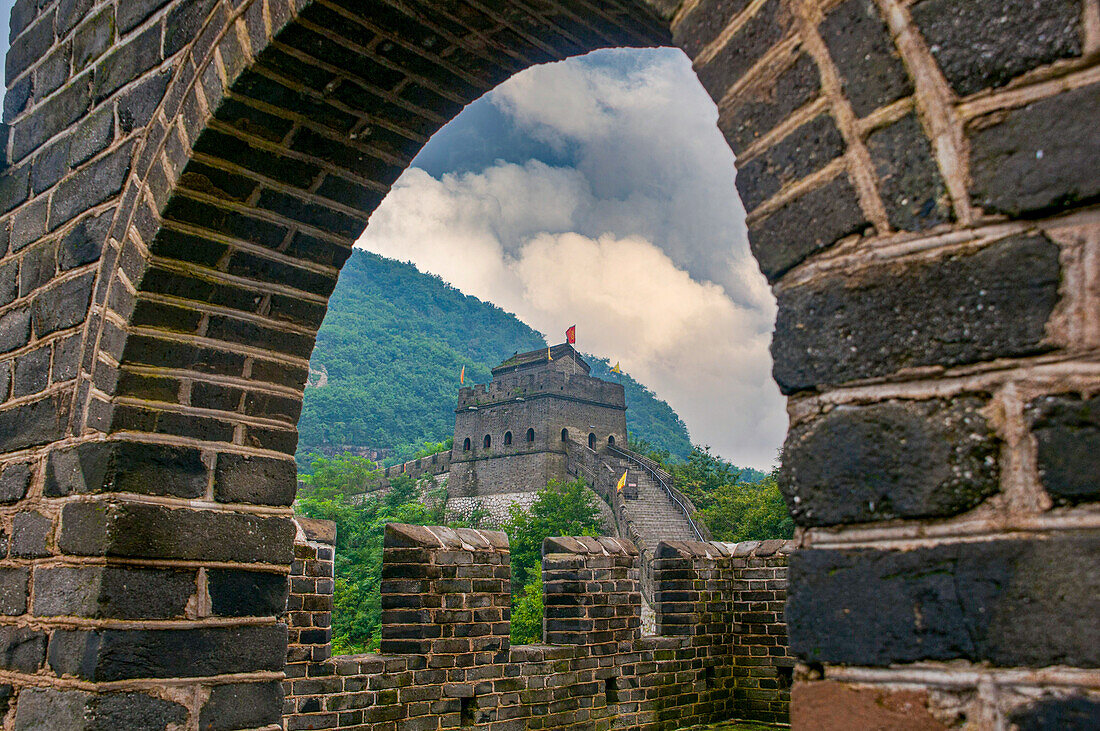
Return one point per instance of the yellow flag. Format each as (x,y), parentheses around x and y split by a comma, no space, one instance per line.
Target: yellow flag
(616,369)
(462,376)
(548,353)
(622,483)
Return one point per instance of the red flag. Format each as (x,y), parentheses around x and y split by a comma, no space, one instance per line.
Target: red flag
(571,334)
(462,376)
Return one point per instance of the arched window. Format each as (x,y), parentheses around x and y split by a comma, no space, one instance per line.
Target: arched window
(565,435)
(507,438)
(466,445)
(530,435)
(591,441)
(611,439)
(488,442)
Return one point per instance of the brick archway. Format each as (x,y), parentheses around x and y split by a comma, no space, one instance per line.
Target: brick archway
(186,178)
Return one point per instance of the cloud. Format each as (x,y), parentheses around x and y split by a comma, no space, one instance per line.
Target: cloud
(639,239)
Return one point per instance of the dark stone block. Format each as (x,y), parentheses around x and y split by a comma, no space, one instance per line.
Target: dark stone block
(70,13)
(986,43)
(34,423)
(808,148)
(242,705)
(21,649)
(13,590)
(95,134)
(771,23)
(134,711)
(240,152)
(138,103)
(38,266)
(702,24)
(133,12)
(148,531)
(28,224)
(57,113)
(909,178)
(16,98)
(226,222)
(93,38)
(1010,603)
(859,43)
(31,372)
(9,282)
(91,185)
(246,593)
(14,481)
(241,478)
(64,709)
(15,329)
(1039,157)
(30,45)
(1071,713)
(66,358)
(53,71)
(127,61)
(767,102)
(112,592)
(1067,430)
(50,165)
(84,243)
(148,469)
(30,531)
(962,308)
(63,305)
(897,459)
(109,655)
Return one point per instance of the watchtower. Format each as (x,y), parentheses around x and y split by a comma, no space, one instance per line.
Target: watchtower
(510,435)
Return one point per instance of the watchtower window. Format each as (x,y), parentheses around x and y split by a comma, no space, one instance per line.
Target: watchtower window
(591,441)
(488,442)
(507,438)
(530,435)
(565,435)
(611,439)
(466,445)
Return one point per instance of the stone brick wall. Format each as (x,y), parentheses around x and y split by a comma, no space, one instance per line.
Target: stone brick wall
(446,661)
(182,180)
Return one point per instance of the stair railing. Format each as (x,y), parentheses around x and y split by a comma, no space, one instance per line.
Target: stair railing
(663,479)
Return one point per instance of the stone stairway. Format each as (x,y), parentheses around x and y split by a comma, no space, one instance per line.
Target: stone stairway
(654,516)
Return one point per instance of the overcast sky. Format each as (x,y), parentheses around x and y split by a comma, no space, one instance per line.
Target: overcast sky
(599,191)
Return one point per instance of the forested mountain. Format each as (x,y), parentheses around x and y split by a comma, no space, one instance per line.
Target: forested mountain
(392,346)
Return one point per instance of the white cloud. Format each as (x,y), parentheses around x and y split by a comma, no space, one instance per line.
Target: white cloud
(642,243)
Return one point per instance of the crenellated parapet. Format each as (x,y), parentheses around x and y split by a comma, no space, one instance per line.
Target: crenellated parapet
(447,663)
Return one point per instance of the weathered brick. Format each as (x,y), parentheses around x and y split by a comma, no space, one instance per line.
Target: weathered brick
(242,705)
(93,38)
(73,710)
(57,113)
(50,165)
(147,531)
(30,533)
(1038,157)
(37,422)
(149,469)
(28,223)
(767,101)
(133,12)
(949,602)
(53,71)
(66,358)
(14,481)
(1067,430)
(986,43)
(22,649)
(62,305)
(241,478)
(702,24)
(895,459)
(961,308)
(37,267)
(246,593)
(30,45)
(93,184)
(9,281)
(95,134)
(64,709)
(771,23)
(13,590)
(137,104)
(113,654)
(808,148)
(859,43)
(31,373)
(112,592)
(84,243)
(15,329)
(908,177)
(127,61)
(1070,713)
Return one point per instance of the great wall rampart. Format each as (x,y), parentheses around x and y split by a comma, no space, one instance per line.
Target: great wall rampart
(720,651)
(183,179)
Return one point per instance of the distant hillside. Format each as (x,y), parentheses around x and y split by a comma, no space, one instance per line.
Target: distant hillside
(392,345)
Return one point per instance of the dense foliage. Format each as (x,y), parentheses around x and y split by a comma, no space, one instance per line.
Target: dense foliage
(568,509)
(558,510)
(735,504)
(393,343)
